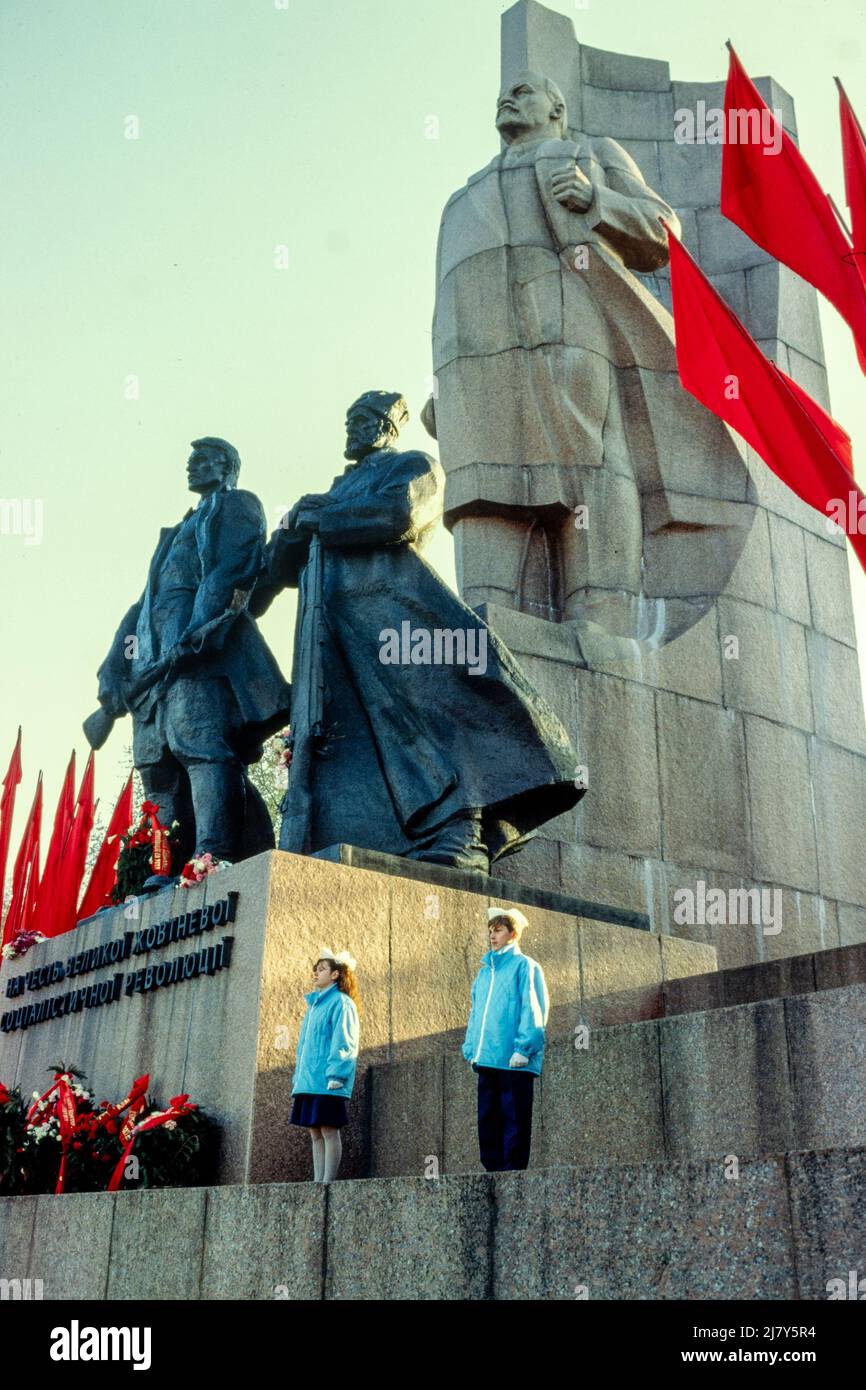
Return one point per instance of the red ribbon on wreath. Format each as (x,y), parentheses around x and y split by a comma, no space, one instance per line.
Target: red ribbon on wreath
(161,859)
(67,1115)
(134,1102)
(177,1107)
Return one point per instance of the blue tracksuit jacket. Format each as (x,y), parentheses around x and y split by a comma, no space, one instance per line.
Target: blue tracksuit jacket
(510,1005)
(328,1044)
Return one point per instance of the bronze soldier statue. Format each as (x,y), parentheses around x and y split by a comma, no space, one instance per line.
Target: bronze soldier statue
(415,731)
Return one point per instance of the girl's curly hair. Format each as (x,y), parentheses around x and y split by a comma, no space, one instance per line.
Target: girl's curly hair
(346,982)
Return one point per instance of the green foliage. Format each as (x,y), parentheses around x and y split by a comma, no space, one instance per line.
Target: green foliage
(135,861)
(184,1156)
(13,1113)
(269,780)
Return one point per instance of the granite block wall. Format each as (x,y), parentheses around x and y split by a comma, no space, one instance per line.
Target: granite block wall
(734,755)
(788,1226)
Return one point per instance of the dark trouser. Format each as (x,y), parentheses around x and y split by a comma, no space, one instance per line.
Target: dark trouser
(504,1118)
(186,753)
(219,810)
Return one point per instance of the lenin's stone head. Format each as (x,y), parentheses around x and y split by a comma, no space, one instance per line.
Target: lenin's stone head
(373,422)
(531,108)
(213,465)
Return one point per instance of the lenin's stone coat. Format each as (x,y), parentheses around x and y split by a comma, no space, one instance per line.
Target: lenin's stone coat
(557,386)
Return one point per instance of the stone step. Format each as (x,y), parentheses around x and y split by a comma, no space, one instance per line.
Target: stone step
(778,1227)
(491,886)
(611,979)
(749,1080)
(771,979)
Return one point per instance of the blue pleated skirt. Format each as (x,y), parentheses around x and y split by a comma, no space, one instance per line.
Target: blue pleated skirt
(319,1110)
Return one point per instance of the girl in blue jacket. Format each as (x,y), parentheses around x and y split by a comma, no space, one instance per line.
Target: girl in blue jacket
(505,1041)
(326,1059)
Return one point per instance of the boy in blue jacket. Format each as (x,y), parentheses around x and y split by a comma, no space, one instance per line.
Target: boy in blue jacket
(505,1041)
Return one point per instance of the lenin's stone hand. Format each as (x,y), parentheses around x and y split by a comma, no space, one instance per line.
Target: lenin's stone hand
(571,188)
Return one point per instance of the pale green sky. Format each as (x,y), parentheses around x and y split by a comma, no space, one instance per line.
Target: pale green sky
(260,126)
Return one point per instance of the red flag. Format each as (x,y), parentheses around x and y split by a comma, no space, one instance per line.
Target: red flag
(104,874)
(721,365)
(777,201)
(854,160)
(63,915)
(7,810)
(25,875)
(54,859)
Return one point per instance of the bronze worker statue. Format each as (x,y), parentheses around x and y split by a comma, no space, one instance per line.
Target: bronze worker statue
(190,665)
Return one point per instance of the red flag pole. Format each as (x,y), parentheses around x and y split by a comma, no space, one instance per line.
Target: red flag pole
(54,859)
(103,875)
(25,875)
(854,164)
(75,856)
(839,218)
(852,113)
(11,783)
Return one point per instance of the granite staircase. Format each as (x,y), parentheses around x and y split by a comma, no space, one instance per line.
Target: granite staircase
(717,1150)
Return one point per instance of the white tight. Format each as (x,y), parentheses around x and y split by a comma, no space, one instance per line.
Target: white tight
(327,1152)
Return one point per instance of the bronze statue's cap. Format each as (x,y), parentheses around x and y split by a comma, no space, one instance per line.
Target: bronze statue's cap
(389,405)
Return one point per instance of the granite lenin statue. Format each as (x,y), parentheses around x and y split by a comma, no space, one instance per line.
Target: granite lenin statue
(415,731)
(190,666)
(557,390)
